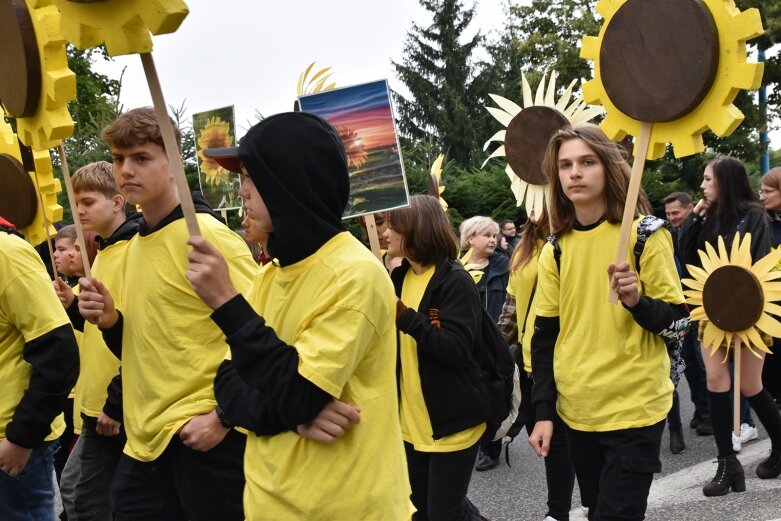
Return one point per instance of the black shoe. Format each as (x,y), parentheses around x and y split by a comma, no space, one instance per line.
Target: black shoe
(728,475)
(705,427)
(771,467)
(676,441)
(695,419)
(486,462)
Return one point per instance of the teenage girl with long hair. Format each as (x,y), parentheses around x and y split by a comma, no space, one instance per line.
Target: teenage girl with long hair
(729,208)
(603,368)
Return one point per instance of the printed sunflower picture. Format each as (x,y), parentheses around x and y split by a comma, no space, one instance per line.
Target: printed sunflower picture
(216,129)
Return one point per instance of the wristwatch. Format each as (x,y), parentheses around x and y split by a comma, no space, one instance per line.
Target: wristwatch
(223,419)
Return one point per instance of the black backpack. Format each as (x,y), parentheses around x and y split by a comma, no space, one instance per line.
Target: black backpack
(499,377)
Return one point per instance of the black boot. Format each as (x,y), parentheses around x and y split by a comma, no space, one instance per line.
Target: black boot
(771,467)
(728,475)
(676,441)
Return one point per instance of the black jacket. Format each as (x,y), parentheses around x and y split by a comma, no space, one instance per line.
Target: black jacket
(694,235)
(449,377)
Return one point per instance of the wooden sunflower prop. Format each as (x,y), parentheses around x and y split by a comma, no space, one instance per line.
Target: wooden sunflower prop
(435,186)
(528,130)
(734,297)
(317,83)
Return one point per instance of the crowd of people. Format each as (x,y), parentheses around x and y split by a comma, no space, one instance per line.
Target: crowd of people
(327,385)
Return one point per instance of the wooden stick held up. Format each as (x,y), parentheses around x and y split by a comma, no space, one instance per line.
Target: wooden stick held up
(641,150)
(46,226)
(171,146)
(76,222)
(736,387)
(374,239)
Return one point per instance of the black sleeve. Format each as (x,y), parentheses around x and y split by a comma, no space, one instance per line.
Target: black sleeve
(544,394)
(113,336)
(77,321)
(659,317)
(113,406)
(269,365)
(245,406)
(689,241)
(451,342)
(54,358)
(759,228)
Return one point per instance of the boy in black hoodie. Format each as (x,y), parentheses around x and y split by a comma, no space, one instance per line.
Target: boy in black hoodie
(317,333)
(179,461)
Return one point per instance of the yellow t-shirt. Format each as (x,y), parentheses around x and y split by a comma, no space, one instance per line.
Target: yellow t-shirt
(29,308)
(521,285)
(98,363)
(170,346)
(610,373)
(415,422)
(337,308)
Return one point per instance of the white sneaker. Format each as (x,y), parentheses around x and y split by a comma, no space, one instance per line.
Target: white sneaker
(579,514)
(747,433)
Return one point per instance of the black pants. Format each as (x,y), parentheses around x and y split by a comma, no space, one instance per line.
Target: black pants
(559,472)
(182,484)
(615,470)
(439,482)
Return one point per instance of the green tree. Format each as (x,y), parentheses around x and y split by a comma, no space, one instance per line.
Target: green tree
(446,96)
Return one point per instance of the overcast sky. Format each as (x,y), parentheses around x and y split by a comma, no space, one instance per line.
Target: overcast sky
(249,53)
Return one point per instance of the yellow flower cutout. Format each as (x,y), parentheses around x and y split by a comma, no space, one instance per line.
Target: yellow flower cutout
(527,133)
(46,186)
(317,83)
(215,134)
(123,25)
(706,101)
(435,186)
(51,122)
(734,297)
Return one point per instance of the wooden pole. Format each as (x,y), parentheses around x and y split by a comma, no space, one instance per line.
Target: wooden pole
(46,225)
(736,389)
(374,239)
(224,214)
(171,146)
(641,150)
(76,222)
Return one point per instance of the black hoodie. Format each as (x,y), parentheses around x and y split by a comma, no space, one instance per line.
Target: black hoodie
(298,164)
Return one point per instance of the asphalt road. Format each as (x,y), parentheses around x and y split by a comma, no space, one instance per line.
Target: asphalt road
(518,493)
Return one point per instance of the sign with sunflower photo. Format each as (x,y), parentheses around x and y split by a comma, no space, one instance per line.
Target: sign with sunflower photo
(216,129)
(363,116)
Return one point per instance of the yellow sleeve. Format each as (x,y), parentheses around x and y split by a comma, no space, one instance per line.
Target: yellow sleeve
(658,275)
(547,284)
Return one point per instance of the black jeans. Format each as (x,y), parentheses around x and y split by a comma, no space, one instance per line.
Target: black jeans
(695,371)
(182,484)
(439,482)
(615,470)
(559,472)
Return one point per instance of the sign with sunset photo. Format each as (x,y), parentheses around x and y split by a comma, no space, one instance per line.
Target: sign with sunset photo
(363,116)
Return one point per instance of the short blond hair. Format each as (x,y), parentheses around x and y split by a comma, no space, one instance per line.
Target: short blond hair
(475,225)
(96,177)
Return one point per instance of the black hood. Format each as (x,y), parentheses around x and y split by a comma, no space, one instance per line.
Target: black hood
(125,232)
(298,164)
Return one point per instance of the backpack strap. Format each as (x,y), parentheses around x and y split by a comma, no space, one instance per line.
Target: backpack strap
(647,225)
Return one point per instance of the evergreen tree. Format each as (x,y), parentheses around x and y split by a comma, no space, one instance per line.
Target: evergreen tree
(446,101)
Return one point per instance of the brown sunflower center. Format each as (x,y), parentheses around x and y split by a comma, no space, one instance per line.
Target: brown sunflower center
(18,201)
(733,298)
(20,81)
(658,60)
(527,139)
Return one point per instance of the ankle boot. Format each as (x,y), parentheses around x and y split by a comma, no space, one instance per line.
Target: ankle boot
(771,467)
(728,475)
